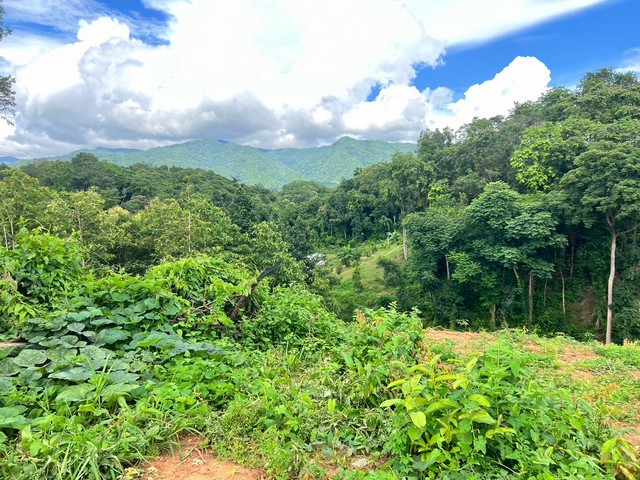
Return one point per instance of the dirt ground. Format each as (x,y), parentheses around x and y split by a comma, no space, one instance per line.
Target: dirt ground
(195,463)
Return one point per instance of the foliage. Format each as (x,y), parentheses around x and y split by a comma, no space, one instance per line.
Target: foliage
(489,419)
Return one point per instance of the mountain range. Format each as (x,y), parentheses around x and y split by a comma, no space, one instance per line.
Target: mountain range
(271,168)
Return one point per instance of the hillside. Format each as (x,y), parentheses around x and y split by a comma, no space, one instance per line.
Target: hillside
(270,168)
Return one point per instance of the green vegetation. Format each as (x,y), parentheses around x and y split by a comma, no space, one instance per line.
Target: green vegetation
(286,328)
(269,168)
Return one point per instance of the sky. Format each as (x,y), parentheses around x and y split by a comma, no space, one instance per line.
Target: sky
(290,73)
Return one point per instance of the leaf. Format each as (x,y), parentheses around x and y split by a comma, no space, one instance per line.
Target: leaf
(76,327)
(153,339)
(482,416)
(75,393)
(419,419)
(120,297)
(8,367)
(498,431)
(390,402)
(414,433)
(348,360)
(112,335)
(480,400)
(432,458)
(171,309)
(409,403)
(11,417)
(79,316)
(119,376)
(111,392)
(75,374)
(30,358)
(480,444)
(442,404)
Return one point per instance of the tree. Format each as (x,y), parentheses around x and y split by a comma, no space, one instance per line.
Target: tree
(7,94)
(515,232)
(605,186)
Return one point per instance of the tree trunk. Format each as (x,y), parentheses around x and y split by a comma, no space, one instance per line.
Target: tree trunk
(189,234)
(446,261)
(612,275)
(405,246)
(573,251)
(564,305)
(530,321)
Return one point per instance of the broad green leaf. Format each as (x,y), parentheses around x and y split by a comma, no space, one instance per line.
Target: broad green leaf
(120,297)
(171,308)
(76,327)
(499,431)
(482,416)
(414,433)
(8,367)
(442,404)
(409,403)
(432,457)
(390,402)
(119,376)
(348,360)
(79,316)
(112,335)
(30,358)
(419,419)
(111,392)
(74,374)
(480,400)
(75,393)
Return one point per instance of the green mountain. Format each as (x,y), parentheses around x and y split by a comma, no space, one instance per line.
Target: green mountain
(270,168)
(329,164)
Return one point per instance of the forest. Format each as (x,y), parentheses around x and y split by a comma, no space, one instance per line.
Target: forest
(286,327)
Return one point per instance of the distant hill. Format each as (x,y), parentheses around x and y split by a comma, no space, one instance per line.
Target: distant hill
(270,168)
(9,160)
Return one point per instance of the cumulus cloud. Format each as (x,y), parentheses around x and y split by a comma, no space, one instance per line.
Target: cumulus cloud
(524,79)
(270,73)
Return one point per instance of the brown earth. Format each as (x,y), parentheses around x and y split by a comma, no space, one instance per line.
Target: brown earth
(195,463)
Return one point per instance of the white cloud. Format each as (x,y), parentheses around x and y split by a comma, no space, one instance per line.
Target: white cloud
(263,72)
(524,79)
(632,61)
(62,16)
(457,22)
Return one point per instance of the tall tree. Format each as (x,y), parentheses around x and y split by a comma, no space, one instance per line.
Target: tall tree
(605,186)
(7,94)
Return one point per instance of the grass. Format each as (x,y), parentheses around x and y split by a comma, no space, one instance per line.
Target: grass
(371,292)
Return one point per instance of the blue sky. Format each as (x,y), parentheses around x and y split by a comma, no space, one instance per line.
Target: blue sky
(290,73)
(604,35)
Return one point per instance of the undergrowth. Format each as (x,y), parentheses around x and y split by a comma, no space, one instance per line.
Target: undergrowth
(112,370)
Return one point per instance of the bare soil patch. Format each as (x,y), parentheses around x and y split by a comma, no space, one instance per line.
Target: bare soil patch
(463,342)
(195,463)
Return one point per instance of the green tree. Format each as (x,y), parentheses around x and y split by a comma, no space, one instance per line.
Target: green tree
(7,94)
(22,203)
(515,232)
(605,187)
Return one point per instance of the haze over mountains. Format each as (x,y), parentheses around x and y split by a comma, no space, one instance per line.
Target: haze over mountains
(270,168)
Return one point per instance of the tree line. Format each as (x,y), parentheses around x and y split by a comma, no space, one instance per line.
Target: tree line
(529,219)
